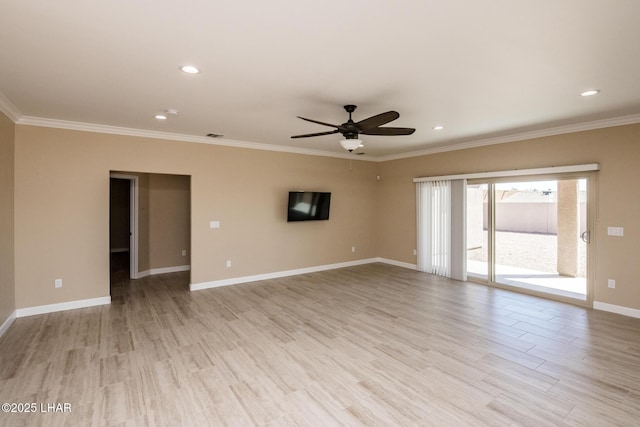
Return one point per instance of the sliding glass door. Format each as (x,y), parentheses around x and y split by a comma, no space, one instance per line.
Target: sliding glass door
(477,231)
(530,234)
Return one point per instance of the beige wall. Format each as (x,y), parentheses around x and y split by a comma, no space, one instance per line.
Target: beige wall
(61,205)
(62,209)
(7,276)
(169,220)
(617,150)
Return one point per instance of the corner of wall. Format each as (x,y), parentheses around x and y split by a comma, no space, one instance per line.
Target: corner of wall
(7,323)
(7,222)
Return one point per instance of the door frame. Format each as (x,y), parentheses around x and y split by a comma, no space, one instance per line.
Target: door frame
(591,177)
(133,221)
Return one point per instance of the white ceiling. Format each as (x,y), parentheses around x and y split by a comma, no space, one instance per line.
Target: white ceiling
(483,69)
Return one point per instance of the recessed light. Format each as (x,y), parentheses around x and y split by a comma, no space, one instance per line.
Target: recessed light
(160,117)
(190,69)
(590,92)
(439,127)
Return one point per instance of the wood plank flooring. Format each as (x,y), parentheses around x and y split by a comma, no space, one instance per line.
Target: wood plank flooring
(369,345)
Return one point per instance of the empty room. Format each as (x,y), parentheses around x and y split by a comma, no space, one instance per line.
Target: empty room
(319,213)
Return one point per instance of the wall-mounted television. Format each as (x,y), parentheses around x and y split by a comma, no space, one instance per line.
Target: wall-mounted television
(308,206)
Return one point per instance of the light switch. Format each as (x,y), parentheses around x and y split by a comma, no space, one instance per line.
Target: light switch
(615,231)
(214,224)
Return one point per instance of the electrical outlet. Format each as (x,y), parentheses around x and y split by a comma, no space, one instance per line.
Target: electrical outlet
(228,264)
(611,283)
(57,283)
(415,252)
(184,252)
(353,248)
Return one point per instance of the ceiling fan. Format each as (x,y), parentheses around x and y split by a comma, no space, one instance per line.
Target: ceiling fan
(350,129)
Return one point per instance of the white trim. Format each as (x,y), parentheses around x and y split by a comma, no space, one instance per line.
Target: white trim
(163,270)
(398,263)
(515,172)
(286,273)
(618,309)
(10,110)
(116,130)
(522,136)
(62,306)
(7,323)
(7,107)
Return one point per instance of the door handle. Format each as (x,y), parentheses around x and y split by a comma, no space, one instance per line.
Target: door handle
(585,236)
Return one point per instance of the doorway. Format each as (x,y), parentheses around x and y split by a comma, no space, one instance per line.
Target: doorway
(151,234)
(531,234)
(123,231)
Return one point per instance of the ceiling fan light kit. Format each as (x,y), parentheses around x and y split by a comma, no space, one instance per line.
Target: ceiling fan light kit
(350,129)
(351,144)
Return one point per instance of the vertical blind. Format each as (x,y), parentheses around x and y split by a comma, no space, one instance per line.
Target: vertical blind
(441,215)
(434,227)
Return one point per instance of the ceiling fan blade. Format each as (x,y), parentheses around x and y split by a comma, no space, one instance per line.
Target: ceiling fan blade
(320,123)
(389,131)
(316,134)
(377,120)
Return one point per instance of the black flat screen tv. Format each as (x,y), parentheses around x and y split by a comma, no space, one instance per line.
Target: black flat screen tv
(308,206)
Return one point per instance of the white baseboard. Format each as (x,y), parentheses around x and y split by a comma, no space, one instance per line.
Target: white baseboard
(398,263)
(618,309)
(70,305)
(286,273)
(278,274)
(163,270)
(7,323)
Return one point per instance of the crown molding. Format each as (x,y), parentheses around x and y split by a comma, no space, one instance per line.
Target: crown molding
(116,130)
(559,130)
(12,112)
(9,109)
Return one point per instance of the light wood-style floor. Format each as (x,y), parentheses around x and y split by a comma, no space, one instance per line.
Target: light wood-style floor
(368,345)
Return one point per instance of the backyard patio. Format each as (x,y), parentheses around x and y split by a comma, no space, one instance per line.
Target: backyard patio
(529,260)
